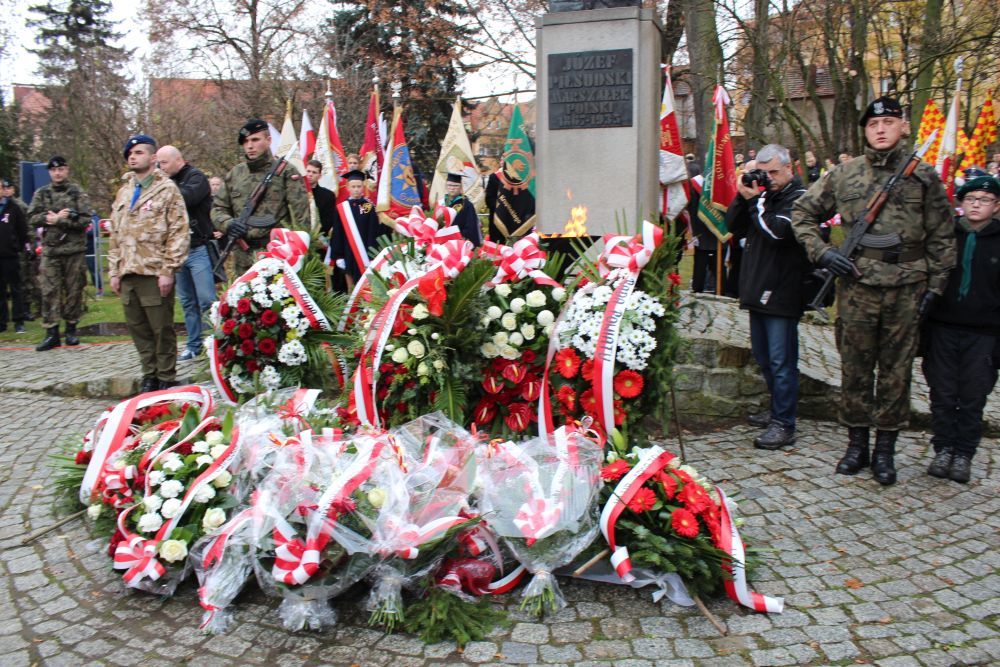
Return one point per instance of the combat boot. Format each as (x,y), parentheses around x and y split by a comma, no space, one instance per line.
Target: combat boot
(856,457)
(50,341)
(71,337)
(941,464)
(883,463)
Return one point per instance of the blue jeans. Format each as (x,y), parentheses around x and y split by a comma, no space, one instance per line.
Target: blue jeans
(196,290)
(775,344)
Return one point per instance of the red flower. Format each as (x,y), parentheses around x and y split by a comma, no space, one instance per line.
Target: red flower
(267,346)
(224,309)
(228,326)
(642,501)
(246,347)
(113,544)
(243,306)
(694,498)
(628,383)
(152,413)
(528,357)
(485,412)
(252,366)
(531,388)
(269,318)
(588,402)
(514,372)
(684,523)
(587,370)
(228,354)
(619,413)
(184,449)
(520,417)
(431,287)
(245,330)
(83,458)
(675,279)
(492,384)
(669,483)
(403,319)
(567,398)
(615,471)
(567,362)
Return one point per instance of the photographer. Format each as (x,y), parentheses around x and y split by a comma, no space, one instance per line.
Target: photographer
(771,285)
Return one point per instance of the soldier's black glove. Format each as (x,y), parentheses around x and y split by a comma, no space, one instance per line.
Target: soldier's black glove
(927,303)
(836,263)
(237,229)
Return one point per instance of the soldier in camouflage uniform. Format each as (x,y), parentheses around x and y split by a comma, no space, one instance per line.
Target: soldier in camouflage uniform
(149,243)
(284,205)
(903,263)
(63,210)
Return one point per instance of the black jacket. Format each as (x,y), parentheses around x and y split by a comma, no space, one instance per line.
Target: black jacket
(369,227)
(198,201)
(979,310)
(326,204)
(466,219)
(774,264)
(13,229)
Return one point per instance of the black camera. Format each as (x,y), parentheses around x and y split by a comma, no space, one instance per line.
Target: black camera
(758,175)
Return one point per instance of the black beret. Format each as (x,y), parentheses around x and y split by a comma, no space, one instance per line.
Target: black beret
(983,183)
(56,161)
(5,182)
(251,127)
(135,140)
(883,106)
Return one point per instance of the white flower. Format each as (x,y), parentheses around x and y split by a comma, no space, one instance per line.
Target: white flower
(438,364)
(149,437)
(204,460)
(292,352)
(204,494)
(150,522)
(559,294)
(172,462)
(500,338)
(279,291)
(546,317)
(291,315)
(536,298)
(485,321)
(508,321)
(416,348)
(156,478)
(503,289)
(420,312)
(173,550)
(516,338)
(94,511)
(435,336)
(400,355)
(508,352)
(213,437)
(528,331)
(376,497)
(548,329)
(213,518)
(489,350)
(213,315)
(412,332)
(423,369)
(494,312)
(223,480)
(171,488)
(218,451)
(270,377)
(170,508)
(152,503)
(517,305)
(199,447)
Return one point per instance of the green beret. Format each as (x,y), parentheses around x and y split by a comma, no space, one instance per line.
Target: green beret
(984,183)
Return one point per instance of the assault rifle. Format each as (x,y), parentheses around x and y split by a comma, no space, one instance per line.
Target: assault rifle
(250,206)
(864,222)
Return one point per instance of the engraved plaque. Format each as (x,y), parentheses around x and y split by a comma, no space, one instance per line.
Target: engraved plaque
(590,89)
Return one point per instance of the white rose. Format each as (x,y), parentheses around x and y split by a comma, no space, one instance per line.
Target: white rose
(559,294)
(94,511)
(508,352)
(218,451)
(156,478)
(213,438)
(516,338)
(546,317)
(528,331)
(422,369)
(503,290)
(204,460)
(223,480)
(517,305)
(172,462)
(171,488)
(152,503)
(170,508)
(200,447)
(400,355)
(149,437)
(489,350)
(420,312)
(412,332)
(204,494)
(500,338)
(213,518)
(494,312)
(376,497)
(438,364)
(173,550)
(536,298)
(508,321)
(416,348)
(548,329)
(150,522)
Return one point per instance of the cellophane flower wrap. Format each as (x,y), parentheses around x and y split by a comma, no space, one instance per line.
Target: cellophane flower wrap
(540,496)
(421,519)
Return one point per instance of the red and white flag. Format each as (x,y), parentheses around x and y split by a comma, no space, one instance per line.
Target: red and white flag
(947,159)
(330,150)
(373,148)
(307,138)
(673,168)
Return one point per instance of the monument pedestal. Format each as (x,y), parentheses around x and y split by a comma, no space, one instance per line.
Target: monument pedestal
(597,133)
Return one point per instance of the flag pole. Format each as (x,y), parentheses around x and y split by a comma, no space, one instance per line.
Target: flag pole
(718,267)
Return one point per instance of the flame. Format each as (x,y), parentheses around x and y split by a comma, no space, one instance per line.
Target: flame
(569,194)
(577,223)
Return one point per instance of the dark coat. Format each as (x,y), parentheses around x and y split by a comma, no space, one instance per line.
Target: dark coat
(326,204)
(979,310)
(13,229)
(466,220)
(370,229)
(198,201)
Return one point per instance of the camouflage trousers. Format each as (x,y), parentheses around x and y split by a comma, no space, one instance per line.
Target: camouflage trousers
(29,279)
(63,279)
(876,328)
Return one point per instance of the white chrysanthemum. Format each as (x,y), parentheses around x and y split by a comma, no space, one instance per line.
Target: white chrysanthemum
(263,299)
(291,315)
(279,291)
(258,284)
(536,298)
(494,312)
(508,321)
(602,294)
(150,522)
(517,305)
(213,315)
(200,447)
(292,353)
(546,317)
(489,350)
(155,478)
(170,508)
(420,312)
(270,377)
(205,493)
(503,289)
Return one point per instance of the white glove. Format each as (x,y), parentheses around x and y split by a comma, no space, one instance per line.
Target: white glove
(341,264)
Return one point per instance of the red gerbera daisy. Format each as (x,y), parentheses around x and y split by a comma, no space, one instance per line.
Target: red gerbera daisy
(587,370)
(694,498)
(628,383)
(642,501)
(669,483)
(619,413)
(684,523)
(615,471)
(588,402)
(567,362)
(567,398)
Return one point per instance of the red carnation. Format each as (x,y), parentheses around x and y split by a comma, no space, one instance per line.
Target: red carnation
(243,306)
(642,501)
(615,471)
(485,412)
(184,449)
(224,309)
(520,417)
(514,372)
(267,346)
(252,366)
(83,458)
(567,362)
(675,278)
(228,326)
(492,384)
(269,318)
(245,330)
(567,398)
(531,388)
(684,523)
(246,347)
(587,370)
(628,384)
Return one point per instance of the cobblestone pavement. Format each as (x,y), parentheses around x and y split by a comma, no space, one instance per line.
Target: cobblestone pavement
(905,575)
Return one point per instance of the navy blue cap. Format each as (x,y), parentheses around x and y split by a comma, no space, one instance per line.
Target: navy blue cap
(136,140)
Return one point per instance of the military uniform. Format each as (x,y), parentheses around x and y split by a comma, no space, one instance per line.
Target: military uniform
(285,200)
(63,269)
(149,238)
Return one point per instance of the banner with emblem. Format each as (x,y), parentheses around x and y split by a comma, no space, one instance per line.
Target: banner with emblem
(673,168)
(456,158)
(397,185)
(372,151)
(719,189)
(514,211)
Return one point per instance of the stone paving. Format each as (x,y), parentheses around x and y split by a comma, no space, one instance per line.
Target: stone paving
(898,576)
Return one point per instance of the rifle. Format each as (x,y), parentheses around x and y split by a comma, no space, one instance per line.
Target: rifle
(864,222)
(251,205)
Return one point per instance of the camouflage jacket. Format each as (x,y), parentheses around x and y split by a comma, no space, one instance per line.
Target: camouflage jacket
(917,210)
(285,199)
(151,237)
(66,237)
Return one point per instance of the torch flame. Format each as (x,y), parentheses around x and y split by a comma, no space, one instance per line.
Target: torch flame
(577,223)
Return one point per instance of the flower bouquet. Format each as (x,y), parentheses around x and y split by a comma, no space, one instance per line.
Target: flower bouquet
(540,497)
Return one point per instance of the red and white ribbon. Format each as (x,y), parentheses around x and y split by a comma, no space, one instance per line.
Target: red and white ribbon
(737,588)
(408,537)
(522,260)
(353,235)
(305,302)
(137,557)
(288,246)
(218,373)
(446,214)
